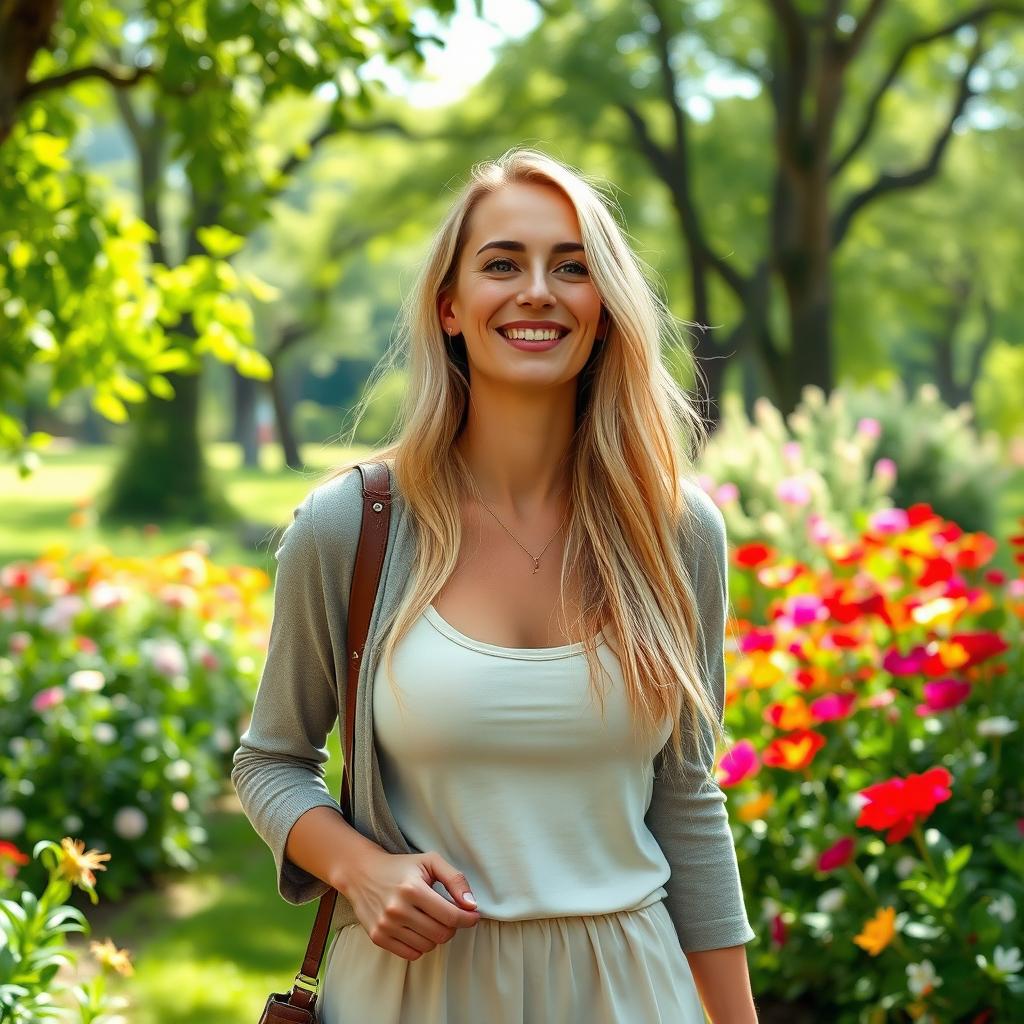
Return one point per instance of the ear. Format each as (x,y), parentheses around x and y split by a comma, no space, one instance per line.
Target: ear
(446,316)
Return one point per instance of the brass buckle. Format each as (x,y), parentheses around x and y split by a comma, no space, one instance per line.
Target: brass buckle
(306,982)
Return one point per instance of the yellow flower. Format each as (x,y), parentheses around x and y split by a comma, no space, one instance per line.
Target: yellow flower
(77,866)
(878,932)
(110,956)
(754,809)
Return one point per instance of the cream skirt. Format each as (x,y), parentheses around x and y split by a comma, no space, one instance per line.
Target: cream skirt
(620,968)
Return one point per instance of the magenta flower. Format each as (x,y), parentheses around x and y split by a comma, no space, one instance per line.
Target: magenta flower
(885,467)
(48,698)
(904,664)
(869,427)
(837,855)
(832,706)
(943,694)
(738,763)
(757,640)
(805,609)
(726,493)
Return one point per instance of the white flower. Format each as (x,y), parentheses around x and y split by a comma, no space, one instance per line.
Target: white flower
(108,595)
(179,801)
(921,978)
(905,866)
(805,857)
(1003,907)
(12,821)
(146,728)
(104,732)
(1007,960)
(130,823)
(770,908)
(166,657)
(72,823)
(998,726)
(178,770)
(831,900)
(59,616)
(87,680)
(223,739)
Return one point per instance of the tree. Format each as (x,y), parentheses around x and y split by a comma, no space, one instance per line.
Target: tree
(190,82)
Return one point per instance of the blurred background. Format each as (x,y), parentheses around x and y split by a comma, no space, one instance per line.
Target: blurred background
(210,213)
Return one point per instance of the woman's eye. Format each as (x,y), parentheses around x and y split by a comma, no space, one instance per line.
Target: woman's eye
(493,264)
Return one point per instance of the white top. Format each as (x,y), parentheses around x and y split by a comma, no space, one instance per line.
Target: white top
(498,758)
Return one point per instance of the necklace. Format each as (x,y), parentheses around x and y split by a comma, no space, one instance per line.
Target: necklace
(535,559)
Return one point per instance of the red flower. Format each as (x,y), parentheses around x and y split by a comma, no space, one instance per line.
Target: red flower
(750,555)
(980,646)
(899,804)
(778,930)
(837,855)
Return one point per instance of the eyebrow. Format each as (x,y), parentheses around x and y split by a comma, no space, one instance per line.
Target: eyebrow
(519,247)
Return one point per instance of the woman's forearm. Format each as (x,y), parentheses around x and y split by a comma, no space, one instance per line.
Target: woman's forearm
(724,984)
(323,843)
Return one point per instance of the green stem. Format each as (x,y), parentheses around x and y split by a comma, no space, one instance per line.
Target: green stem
(925,854)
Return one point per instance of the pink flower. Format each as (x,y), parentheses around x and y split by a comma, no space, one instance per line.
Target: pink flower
(739,763)
(943,694)
(19,642)
(48,698)
(209,661)
(888,520)
(869,427)
(837,855)
(793,491)
(885,468)
(791,450)
(832,706)
(880,700)
(904,664)
(726,493)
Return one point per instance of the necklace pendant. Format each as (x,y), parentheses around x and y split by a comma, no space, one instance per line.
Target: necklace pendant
(536,566)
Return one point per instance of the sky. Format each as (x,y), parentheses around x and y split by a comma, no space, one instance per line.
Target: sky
(468,53)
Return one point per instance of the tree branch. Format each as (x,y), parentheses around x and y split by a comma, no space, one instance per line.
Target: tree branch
(886,183)
(979,14)
(120,78)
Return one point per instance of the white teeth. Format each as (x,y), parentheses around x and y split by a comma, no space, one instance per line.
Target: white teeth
(527,334)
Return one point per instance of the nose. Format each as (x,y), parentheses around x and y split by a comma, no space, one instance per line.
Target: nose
(537,291)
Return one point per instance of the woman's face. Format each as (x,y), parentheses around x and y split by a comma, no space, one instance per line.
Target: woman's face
(523,263)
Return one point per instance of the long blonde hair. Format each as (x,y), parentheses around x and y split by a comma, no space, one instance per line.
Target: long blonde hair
(628,513)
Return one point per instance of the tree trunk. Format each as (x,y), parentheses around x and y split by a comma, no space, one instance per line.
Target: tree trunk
(244,429)
(25,27)
(163,475)
(282,411)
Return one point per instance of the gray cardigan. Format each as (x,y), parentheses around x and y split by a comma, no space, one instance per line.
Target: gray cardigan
(278,768)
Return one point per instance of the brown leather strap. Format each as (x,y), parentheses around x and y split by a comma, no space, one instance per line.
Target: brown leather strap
(373,542)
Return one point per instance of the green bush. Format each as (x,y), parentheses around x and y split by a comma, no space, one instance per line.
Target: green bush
(818,474)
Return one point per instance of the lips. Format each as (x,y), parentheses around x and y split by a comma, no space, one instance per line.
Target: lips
(503,331)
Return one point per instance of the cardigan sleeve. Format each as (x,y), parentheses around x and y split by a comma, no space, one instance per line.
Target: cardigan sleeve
(687,812)
(278,768)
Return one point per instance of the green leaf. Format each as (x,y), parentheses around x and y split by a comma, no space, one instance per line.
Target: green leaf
(957,859)
(218,241)
(110,406)
(128,389)
(251,363)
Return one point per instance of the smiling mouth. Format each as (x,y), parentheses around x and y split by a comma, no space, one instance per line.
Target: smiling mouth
(504,333)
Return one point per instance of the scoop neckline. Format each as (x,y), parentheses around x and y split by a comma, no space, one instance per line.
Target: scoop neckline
(435,618)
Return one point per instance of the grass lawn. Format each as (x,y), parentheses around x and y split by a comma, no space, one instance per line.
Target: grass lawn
(37,511)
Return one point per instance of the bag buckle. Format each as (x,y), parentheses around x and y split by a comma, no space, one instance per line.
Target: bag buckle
(304,981)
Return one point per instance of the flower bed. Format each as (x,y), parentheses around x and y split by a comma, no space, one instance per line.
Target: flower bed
(123,683)
(876,788)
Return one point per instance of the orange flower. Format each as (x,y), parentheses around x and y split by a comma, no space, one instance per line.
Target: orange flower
(794,751)
(77,866)
(878,932)
(754,809)
(110,956)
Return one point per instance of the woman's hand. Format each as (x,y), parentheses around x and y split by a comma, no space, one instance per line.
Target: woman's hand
(393,898)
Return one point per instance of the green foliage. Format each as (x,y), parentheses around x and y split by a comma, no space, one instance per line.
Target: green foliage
(35,956)
(123,683)
(383,402)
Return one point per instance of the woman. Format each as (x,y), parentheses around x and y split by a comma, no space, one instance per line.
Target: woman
(538,835)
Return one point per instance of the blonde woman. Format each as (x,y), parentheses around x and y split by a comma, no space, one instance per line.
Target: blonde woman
(538,834)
